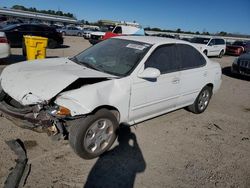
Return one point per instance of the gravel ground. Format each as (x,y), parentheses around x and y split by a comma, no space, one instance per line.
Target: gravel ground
(179,149)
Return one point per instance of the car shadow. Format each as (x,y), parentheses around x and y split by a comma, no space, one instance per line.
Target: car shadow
(62,46)
(119,166)
(227,72)
(12,59)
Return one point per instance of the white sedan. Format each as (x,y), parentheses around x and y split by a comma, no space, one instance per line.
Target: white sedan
(4,46)
(123,80)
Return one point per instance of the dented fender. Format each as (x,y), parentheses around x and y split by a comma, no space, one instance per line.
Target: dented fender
(114,93)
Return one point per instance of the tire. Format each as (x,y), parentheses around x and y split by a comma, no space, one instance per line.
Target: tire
(24,49)
(88,134)
(205,52)
(52,44)
(221,54)
(63,33)
(201,102)
(79,34)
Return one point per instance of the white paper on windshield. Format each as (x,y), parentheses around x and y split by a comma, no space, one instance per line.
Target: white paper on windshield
(136,46)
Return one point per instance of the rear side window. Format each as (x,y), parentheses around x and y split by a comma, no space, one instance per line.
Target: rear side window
(189,57)
(118,30)
(164,59)
(219,42)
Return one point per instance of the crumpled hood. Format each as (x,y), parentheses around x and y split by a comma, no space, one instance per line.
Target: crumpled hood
(32,82)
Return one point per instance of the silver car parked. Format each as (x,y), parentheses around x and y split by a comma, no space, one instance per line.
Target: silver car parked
(72,31)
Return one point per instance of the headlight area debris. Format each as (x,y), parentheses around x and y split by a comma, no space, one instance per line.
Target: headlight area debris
(18,175)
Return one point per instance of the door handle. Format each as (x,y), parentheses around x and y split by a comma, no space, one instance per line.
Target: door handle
(175,80)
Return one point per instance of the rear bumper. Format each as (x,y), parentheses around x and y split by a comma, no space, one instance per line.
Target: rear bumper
(233,53)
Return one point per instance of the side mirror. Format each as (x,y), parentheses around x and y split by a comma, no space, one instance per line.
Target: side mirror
(151,73)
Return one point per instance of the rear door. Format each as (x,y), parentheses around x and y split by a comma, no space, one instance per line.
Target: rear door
(37,30)
(19,32)
(212,48)
(193,73)
(221,45)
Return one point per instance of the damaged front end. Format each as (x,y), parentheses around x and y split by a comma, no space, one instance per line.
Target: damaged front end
(42,117)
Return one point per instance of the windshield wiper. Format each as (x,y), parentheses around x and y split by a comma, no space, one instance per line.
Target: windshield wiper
(91,66)
(74,59)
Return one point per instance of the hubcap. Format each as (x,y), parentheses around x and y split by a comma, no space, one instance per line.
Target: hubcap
(203,99)
(98,136)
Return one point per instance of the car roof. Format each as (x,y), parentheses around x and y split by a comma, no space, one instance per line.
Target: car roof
(153,40)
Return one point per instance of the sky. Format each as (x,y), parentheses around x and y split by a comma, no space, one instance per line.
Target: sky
(189,15)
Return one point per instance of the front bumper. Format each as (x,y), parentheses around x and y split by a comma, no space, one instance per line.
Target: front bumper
(26,118)
(236,69)
(94,41)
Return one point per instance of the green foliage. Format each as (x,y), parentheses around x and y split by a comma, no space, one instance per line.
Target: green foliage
(51,12)
(178,30)
(223,33)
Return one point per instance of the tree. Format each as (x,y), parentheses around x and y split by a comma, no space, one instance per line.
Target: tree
(178,30)
(223,33)
(19,7)
(52,12)
(156,29)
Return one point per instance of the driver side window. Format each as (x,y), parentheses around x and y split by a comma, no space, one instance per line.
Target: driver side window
(212,42)
(164,59)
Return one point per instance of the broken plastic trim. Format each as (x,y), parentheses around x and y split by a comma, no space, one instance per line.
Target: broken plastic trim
(18,175)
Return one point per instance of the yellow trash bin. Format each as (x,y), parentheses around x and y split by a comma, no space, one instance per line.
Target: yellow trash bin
(35,47)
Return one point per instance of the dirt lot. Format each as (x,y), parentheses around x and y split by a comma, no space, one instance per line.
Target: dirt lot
(179,149)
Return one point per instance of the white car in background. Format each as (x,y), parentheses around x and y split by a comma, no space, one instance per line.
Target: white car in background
(122,80)
(210,46)
(4,46)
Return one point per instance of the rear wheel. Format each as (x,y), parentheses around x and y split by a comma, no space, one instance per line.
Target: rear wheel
(201,102)
(79,34)
(221,54)
(24,49)
(52,44)
(93,135)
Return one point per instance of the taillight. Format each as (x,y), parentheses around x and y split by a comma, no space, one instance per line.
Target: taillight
(3,40)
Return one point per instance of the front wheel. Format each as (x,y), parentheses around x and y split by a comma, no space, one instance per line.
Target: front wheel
(201,102)
(93,135)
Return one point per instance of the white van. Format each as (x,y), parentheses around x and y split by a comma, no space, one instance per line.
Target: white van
(210,46)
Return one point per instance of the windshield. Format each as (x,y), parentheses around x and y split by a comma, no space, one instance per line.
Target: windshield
(200,40)
(114,56)
(9,27)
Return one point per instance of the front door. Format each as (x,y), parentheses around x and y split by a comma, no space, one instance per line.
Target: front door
(153,97)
